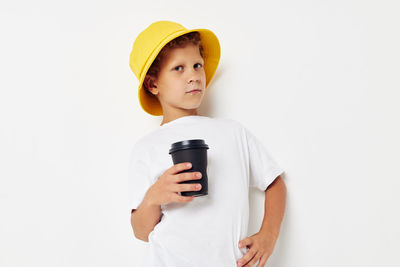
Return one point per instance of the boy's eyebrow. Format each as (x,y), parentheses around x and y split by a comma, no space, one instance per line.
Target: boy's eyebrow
(179,62)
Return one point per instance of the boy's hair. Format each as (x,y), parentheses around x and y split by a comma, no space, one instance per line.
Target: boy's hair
(181,41)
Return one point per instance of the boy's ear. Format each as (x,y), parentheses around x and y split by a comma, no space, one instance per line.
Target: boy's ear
(149,82)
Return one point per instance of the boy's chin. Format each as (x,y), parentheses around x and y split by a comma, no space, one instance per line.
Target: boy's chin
(191,107)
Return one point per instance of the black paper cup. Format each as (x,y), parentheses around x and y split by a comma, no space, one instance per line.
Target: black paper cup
(195,152)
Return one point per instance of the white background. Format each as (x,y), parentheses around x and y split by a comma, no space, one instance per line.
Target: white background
(317,81)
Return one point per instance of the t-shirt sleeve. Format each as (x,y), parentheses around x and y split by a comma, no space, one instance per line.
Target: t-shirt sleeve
(138,176)
(263,168)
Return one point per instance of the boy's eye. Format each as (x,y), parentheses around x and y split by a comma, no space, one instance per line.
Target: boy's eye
(176,68)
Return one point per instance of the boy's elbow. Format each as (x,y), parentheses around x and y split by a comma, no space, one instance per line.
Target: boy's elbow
(140,237)
(137,235)
(144,239)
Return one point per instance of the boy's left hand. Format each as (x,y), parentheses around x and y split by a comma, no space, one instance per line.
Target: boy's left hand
(261,246)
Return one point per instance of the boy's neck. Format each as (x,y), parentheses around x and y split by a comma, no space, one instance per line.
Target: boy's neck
(170,117)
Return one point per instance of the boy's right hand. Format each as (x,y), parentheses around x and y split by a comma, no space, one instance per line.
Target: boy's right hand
(165,189)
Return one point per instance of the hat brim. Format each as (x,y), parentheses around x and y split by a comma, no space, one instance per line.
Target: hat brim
(211,54)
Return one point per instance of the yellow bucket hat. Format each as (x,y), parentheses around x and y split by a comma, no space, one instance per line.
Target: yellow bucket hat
(150,42)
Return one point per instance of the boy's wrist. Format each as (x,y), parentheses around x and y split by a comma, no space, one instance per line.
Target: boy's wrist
(149,200)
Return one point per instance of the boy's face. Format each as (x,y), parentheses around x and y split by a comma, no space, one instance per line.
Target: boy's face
(181,71)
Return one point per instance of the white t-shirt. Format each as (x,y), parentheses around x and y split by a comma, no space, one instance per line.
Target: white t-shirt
(207,230)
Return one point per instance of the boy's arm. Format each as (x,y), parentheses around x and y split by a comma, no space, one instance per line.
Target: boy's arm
(262,243)
(145,218)
(274,208)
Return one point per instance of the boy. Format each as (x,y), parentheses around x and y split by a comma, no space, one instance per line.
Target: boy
(174,67)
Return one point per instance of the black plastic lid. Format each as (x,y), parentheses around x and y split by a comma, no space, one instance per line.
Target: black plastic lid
(188,144)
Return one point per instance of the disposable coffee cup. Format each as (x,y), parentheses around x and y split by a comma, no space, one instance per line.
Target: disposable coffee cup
(195,152)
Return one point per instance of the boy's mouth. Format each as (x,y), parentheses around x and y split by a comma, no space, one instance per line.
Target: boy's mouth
(194,91)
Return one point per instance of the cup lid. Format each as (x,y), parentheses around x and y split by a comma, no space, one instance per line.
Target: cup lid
(188,144)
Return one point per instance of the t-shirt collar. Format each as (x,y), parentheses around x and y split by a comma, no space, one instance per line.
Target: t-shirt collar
(181,119)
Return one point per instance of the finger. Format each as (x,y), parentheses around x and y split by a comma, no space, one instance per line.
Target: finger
(179,198)
(245,242)
(263,260)
(180,167)
(188,187)
(246,258)
(187,176)
(253,260)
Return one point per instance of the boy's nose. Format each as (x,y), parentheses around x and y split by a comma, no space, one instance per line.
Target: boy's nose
(194,81)
(194,76)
